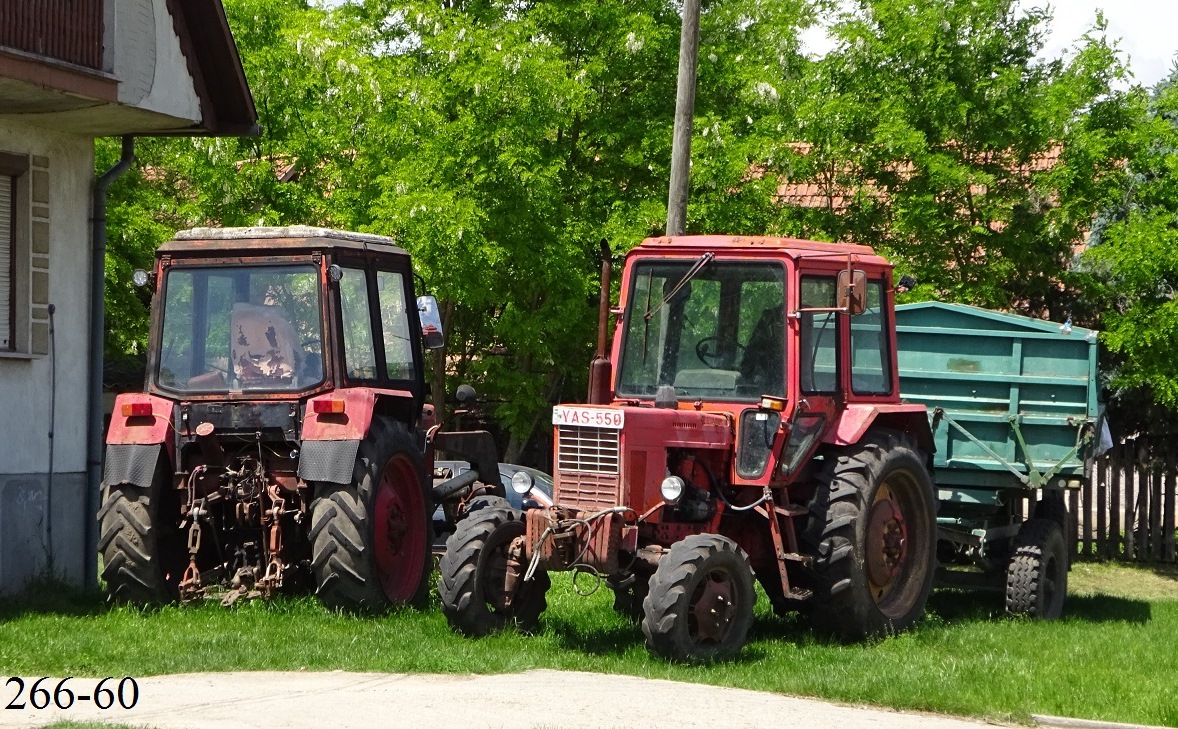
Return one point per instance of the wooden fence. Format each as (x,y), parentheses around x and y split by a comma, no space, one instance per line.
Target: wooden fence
(1127,509)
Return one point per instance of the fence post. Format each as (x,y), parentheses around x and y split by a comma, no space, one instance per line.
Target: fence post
(1104,466)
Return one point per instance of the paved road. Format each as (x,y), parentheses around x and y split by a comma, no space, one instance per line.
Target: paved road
(550,699)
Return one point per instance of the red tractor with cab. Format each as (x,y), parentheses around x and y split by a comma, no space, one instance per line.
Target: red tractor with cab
(747,423)
(282,440)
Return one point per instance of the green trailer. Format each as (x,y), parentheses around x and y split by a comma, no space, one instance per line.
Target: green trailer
(1013,406)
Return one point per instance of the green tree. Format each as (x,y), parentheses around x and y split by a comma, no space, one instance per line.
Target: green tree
(939,136)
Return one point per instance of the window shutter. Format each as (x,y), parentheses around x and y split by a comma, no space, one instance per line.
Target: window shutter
(6,245)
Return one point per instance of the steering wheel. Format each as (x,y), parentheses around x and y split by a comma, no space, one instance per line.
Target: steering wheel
(710,358)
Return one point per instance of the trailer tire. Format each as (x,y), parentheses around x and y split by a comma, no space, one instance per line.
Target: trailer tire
(872,534)
(1037,576)
(143,550)
(1054,507)
(476,558)
(701,576)
(371,539)
(479,503)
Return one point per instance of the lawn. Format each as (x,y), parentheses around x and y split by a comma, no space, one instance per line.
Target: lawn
(1114,655)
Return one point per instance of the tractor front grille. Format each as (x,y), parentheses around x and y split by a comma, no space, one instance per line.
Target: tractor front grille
(587,466)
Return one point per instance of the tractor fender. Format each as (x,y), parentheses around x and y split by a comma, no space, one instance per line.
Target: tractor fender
(330,441)
(140,429)
(131,463)
(857,419)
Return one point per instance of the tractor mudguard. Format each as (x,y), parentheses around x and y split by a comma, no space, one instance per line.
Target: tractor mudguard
(133,464)
(328,460)
(477,447)
(148,429)
(857,419)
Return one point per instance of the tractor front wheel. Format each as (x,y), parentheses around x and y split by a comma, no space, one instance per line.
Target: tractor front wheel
(482,584)
(1037,576)
(700,604)
(871,531)
(371,539)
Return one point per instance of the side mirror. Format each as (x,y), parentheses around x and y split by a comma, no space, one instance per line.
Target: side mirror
(852,292)
(432,336)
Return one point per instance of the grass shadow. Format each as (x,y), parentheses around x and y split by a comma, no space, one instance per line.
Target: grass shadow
(1106,609)
(607,640)
(48,596)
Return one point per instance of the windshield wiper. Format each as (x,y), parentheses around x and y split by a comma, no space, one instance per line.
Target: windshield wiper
(691,273)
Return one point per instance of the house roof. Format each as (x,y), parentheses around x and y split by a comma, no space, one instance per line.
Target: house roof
(213,61)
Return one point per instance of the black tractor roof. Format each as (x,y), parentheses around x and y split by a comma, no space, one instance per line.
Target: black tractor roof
(289,239)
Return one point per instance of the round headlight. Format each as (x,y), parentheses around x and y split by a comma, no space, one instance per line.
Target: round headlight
(672,489)
(521,482)
(139,277)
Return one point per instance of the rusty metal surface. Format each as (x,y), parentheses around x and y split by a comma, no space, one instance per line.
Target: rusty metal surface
(572,538)
(289,239)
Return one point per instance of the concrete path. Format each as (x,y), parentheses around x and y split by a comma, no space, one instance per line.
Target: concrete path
(550,699)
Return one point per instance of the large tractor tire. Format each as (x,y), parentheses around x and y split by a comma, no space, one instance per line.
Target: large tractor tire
(700,604)
(872,533)
(475,572)
(1037,576)
(371,539)
(143,550)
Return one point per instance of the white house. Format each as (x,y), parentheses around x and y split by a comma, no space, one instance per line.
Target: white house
(70,72)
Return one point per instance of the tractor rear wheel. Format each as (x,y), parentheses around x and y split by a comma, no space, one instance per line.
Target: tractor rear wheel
(371,539)
(482,584)
(871,531)
(1037,576)
(700,604)
(142,547)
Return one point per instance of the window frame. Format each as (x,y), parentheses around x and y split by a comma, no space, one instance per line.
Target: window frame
(16,168)
(886,355)
(838,338)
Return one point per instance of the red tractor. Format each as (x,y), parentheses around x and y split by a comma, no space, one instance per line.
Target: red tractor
(283,440)
(750,425)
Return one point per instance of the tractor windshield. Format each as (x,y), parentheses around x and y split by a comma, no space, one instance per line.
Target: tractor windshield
(241,328)
(718,334)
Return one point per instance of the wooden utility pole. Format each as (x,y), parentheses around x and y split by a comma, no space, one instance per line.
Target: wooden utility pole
(684,111)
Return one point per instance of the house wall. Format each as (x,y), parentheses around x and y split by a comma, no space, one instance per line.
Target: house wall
(146,58)
(60,183)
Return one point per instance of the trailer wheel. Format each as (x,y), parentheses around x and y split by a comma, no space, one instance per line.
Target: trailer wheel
(700,604)
(371,539)
(1053,507)
(1037,576)
(143,550)
(482,583)
(871,532)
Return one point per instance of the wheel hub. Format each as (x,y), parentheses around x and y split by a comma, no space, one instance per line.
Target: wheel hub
(887,542)
(713,608)
(398,532)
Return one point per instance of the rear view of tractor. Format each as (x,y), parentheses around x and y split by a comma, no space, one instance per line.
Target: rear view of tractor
(282,441)
(747,424)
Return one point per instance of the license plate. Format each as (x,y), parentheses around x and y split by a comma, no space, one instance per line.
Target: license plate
(593,417)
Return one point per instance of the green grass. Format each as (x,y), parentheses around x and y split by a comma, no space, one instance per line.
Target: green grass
(1114,655)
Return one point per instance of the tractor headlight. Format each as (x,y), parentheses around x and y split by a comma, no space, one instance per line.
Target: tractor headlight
(522,482)
(672,489)
(140,278)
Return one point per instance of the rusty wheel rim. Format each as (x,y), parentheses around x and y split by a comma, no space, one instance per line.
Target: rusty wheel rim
(399,541)
(712,608)
(887,543)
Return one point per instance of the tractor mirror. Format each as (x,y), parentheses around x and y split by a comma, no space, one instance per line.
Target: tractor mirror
(852,292)
(432,336)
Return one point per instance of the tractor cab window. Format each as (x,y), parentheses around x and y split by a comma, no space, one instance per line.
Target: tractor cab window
(394,323)
(871,370)
(819,340)
(359,354)
(241,328)
(715,330)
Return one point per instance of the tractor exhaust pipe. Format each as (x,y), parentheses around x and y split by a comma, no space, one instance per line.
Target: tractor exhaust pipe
(599,369)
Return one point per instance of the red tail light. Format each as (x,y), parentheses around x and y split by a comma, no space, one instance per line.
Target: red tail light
(327,406)
(136,409)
